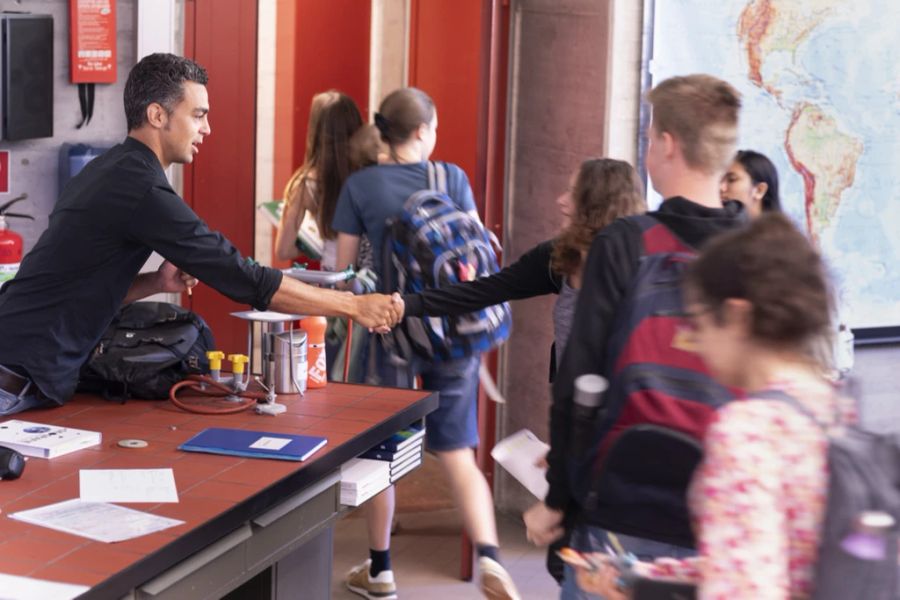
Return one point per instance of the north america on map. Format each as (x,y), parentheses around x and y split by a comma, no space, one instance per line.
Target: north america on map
(820,85)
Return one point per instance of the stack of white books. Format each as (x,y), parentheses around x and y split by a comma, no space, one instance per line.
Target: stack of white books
(45,441)
(402,451)
(363,478)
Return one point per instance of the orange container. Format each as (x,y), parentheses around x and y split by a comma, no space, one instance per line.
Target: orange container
(317,373)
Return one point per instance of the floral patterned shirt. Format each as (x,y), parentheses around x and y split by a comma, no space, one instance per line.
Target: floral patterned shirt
(758,497)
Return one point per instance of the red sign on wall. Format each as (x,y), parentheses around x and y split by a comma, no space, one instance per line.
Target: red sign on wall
(92,41)
(4,171)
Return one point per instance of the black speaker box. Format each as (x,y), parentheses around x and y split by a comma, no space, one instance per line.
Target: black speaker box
(26,86)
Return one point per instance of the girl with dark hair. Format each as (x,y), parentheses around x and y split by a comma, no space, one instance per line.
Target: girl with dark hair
(756,298)
(407,122)
(752,180)
(314,187)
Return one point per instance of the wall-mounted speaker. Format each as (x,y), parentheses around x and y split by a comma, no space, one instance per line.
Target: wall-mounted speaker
(26,77)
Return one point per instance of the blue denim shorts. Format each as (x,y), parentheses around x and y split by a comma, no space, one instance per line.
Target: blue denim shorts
(454,424)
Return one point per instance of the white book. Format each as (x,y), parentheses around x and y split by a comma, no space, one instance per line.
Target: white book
(355,497)
(519,454)
(364,486)
(358,471)
(45,441)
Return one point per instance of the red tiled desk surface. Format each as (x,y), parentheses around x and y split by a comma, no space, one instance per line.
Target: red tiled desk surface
(216,493)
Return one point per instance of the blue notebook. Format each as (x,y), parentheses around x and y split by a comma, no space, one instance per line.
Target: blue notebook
(254,444)
(401,439)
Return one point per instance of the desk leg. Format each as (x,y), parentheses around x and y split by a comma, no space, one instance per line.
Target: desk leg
(306,572)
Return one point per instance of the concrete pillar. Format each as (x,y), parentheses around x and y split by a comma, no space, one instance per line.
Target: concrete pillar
(559,56)
(389,52)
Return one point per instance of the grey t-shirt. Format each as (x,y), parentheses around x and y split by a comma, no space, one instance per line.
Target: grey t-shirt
(563,314)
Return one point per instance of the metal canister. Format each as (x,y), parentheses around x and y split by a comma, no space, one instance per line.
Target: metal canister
(289,359)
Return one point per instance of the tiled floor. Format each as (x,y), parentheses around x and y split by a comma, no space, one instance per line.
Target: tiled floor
(426,557)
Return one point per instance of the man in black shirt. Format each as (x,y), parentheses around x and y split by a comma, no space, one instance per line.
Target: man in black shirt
(108,220)
(692,138)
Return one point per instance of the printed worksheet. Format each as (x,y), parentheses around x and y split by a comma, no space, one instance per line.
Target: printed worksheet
(96,520)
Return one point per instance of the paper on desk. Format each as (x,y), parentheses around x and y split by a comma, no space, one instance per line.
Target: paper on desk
(26,588)
(128,485)
(519,454)
(95,520)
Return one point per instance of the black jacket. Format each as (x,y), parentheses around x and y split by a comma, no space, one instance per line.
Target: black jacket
(528,277)
(108,220)
(611,265)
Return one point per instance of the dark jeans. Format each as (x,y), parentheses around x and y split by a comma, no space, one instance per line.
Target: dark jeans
(29,397)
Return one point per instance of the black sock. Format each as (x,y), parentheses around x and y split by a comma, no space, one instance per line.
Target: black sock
(381,561)
(492,552)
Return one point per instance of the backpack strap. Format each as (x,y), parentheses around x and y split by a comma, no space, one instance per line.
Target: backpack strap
(437,176)
(781,395)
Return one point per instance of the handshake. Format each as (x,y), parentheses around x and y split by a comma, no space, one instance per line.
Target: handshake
(378,312)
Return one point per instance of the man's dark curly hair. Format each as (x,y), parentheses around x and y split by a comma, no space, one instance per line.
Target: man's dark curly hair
(158,78)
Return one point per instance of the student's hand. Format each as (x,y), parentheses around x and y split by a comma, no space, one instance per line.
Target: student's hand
(171,279)
(377,311)
(543,525)
(541,463)
(602,581)
(398,300)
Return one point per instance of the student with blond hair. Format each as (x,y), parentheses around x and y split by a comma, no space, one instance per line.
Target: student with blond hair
(692,140)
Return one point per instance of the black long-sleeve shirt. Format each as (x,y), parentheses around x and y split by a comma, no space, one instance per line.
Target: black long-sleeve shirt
(611,265)
(528,277)
(106,223)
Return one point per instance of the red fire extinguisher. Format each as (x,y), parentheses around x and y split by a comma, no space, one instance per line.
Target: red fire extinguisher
(10,242)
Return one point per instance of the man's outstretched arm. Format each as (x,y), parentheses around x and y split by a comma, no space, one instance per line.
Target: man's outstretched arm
(369,310)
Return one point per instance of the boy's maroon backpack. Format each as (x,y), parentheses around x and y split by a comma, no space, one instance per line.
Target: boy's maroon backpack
(632,479)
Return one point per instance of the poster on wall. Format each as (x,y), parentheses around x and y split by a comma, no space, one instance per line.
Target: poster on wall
(820,86)
(92,39)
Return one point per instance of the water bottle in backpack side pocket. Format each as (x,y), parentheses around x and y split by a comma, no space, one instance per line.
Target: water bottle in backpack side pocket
(587,399)
(868,538)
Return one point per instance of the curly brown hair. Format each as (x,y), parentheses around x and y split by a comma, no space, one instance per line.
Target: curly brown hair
(773,266)
(605,189)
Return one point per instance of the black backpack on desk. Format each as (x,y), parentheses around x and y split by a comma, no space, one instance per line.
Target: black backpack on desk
(148,347)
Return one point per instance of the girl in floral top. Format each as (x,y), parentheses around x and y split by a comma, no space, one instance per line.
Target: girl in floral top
(756,299)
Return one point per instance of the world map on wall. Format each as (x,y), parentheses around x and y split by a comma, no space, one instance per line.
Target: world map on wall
(820,84)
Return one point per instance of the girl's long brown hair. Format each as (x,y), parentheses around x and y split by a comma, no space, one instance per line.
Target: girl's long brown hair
(605,189)
(333,119)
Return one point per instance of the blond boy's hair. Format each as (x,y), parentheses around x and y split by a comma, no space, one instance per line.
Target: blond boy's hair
(701,112)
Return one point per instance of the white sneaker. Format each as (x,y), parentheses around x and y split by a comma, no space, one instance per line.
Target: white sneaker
(496,584)
(381,587)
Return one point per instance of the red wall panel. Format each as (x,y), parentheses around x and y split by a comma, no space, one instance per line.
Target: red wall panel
(332,51)
(446,47)
(219,184)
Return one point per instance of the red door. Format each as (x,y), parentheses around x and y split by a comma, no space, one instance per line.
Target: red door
(458,55)
(219,184)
